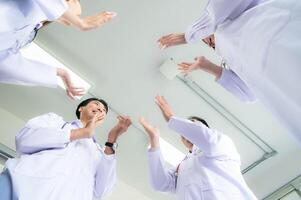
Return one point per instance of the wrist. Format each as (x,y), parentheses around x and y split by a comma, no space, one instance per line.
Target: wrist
(112,138)
(60,72)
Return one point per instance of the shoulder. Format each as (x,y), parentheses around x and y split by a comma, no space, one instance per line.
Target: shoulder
(48,119)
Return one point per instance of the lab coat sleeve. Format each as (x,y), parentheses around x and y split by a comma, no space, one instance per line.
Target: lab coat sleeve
(162,179)
(52,9)
(105,177)
(216,12)
(212,142)
(42,133)
(15,69)
(232,83)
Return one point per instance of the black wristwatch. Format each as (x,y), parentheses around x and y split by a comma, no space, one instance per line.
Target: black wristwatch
(113,146)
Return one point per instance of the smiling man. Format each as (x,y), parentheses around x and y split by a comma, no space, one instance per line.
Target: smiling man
(61,160)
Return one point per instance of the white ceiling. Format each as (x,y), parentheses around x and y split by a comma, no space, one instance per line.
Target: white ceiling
(122,61)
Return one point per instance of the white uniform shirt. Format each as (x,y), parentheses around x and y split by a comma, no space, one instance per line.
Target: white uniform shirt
(18,21)
(262,47)
(213,175)
(53,168)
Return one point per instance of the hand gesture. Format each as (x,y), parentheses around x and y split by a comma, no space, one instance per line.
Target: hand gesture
(164,107)
(200,63)
(98,20)
(122,126)
(152,131)
(171,40)
(71,91)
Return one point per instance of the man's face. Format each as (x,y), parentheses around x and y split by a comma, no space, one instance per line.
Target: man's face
(91,109)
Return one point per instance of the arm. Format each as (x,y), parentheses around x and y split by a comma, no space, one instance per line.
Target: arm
(41,133)
(225,77)
(162,179)
(45,132)
(211,142)
(15,69)
(52,9)
(232,83)
(105,177)
(215,13)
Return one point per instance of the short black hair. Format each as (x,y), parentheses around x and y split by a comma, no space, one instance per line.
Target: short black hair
(199,119)
(87,101)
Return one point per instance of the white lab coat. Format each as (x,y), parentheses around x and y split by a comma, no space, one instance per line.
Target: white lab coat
(18,20)
(263,47)
(53,168)
(213,174)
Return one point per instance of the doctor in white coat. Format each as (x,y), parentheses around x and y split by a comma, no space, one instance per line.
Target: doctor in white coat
(211,169)
(259,40)
(20,22)
(61,160)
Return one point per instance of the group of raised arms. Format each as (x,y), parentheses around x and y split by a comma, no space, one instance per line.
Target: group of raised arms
(259,42)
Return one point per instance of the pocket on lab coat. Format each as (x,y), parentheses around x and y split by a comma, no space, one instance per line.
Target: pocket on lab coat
(44,164)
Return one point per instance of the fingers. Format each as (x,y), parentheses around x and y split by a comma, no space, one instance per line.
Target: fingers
(145,124)
(105,17)
(124,120)
(165,41)
(69,95)
(160,100)
(76,91)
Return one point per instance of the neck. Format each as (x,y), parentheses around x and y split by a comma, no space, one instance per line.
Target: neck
(84,122)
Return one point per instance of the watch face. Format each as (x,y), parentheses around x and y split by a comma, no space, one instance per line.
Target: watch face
(115,145)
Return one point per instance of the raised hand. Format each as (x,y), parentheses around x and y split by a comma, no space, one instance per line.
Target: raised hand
(124,122)
(164,107)
(96,21)
(200,63)
(153,132)
(171,40)
(71,91)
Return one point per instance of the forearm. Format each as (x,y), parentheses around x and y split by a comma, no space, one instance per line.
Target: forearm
(74,20)
(79,134)
(154,142)
(213,69)
(30,140)
(105,177)
(162,179)
(16,69)
(236,86)
(112,138)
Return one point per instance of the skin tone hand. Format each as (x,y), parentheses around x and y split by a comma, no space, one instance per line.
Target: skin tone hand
(124,122)
(164,107)
(203,64)
(86,23)
(171,40)
(88,130)
(71,91)
(152,132)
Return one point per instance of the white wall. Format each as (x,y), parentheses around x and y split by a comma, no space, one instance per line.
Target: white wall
(10,125)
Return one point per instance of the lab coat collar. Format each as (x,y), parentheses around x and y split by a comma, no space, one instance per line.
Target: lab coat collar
(77,123)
